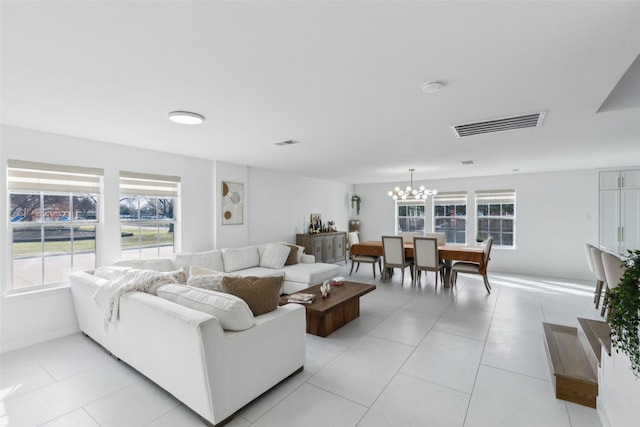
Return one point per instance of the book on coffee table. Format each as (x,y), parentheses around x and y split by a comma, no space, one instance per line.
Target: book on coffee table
(301,297)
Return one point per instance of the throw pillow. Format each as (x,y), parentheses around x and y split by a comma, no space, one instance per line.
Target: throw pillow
(232,312)
(293,255)
(260,293)
(200,277)
(274,256)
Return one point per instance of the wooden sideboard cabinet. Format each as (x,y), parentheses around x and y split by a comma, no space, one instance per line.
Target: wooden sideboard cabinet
(326,247)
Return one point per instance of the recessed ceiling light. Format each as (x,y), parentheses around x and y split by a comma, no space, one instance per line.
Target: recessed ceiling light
(186,118)
(432,87)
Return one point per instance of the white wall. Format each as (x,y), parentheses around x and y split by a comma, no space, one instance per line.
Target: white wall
(556,213)
(281,204)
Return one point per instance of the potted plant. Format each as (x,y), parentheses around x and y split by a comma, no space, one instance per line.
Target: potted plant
(624,315)
(479,240)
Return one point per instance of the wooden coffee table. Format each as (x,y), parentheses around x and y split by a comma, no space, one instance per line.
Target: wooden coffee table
(325,315)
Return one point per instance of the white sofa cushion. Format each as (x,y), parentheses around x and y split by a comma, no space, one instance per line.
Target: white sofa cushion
(259,272)
(111,271)
(310,273)
(160,264)
(240,258)
(207,259)
(232,312)
(274,255)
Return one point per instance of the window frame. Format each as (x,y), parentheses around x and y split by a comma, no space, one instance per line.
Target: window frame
(410,203)
(500,198)
(51,181)
(456,199)
(143,188)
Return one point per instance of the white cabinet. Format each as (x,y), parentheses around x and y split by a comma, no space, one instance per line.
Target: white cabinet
(620,210)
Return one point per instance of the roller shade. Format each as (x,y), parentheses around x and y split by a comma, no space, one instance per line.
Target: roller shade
(138,184)
(32,176)
(450,198)
(495,196)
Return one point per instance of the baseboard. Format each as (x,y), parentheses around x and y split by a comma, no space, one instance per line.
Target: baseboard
(6,346)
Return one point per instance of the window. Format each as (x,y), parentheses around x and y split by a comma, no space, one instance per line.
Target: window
(410,215)
(52,220)
(450,216)
(496,216)
(148,205)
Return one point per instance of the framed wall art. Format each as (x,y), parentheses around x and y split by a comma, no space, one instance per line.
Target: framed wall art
(232,203)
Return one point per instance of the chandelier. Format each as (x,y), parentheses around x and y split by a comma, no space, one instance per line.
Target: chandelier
(411,193)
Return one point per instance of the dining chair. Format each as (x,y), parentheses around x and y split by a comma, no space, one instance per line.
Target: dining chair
(440,237)
(598,268)
(357,259)
(598,292)
(474,268)
(613,271)
(407,236)
(425,258)
(393,256)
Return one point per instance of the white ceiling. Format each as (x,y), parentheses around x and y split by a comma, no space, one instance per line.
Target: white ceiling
(344,78)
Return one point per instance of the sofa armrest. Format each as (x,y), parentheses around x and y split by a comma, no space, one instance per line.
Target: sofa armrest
(308,259)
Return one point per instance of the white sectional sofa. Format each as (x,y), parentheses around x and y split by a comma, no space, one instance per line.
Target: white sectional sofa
(187,351)
(247,261)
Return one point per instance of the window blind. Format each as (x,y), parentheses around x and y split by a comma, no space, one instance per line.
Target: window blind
(33,176)
(495,196)
(450,198)
(139,184)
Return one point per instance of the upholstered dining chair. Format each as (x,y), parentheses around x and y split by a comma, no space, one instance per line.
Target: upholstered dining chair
(407,236)
(441,237)
(598,292)
(357,259)
(472,267)
(613,271)
(598,268)
(425,258)
(393,256)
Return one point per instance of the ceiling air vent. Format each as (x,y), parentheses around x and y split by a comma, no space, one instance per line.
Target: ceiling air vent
(498,125)
(287,142)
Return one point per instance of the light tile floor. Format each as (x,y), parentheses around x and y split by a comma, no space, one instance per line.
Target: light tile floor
(416,357)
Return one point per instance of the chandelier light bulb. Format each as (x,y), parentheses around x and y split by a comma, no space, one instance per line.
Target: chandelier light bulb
(410,192)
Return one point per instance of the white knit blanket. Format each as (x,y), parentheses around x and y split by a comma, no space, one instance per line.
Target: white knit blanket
(107,296)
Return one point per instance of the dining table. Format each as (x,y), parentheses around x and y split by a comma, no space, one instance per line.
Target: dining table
(446,252)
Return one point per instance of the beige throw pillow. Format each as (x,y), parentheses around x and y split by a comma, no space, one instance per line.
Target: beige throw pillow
(260,293)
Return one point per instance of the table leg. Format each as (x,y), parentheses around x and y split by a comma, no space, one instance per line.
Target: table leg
(447,273)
